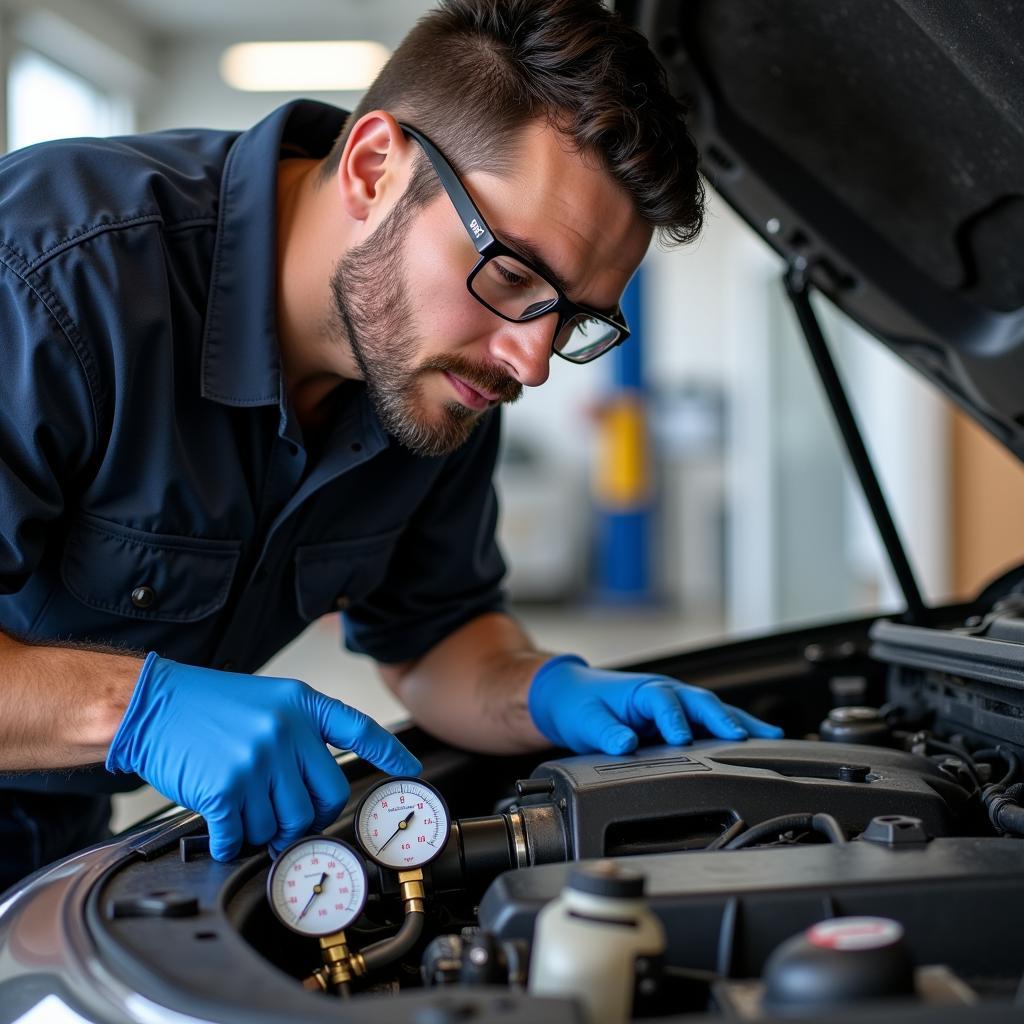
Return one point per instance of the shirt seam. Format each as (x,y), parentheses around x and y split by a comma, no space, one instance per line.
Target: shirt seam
(212,311)
(95,230)
(65,324)
(235,400)
(203,546)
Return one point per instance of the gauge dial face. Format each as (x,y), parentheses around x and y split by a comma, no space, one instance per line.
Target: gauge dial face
(402,824)
(317,886)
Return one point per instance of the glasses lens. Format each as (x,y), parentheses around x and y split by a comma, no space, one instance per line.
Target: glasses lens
(512,288)
(585,337)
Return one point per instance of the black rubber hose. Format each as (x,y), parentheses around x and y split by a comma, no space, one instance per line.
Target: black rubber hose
(822,823)
(949,748)
(735,829)
(828,826)
(1006,815)
(1015,792)
(388,950)
(1009,758)
(771,827)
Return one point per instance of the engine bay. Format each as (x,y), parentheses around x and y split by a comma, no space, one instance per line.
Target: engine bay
(869,866)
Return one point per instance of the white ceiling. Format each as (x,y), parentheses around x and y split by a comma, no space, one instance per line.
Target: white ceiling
(384,20)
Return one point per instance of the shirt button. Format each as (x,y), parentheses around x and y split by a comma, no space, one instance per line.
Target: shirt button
(143,597)
(342,602)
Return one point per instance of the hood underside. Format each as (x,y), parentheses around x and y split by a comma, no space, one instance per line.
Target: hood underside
(883,144)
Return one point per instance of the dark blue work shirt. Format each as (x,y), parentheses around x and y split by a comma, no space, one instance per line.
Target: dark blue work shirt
(155,492)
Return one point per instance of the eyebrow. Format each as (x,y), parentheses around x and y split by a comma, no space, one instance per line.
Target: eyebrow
(532,255)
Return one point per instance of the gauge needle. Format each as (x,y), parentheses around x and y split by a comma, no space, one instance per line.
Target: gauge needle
(402,825)
(317,889)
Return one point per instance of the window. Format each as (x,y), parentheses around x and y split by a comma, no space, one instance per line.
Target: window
(46,101)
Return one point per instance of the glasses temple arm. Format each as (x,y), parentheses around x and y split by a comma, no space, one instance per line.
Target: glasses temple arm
(472,220)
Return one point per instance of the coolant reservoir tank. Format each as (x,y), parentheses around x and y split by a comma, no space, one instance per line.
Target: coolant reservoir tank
(586,942)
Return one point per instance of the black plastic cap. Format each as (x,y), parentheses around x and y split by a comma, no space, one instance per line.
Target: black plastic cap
(856,724)
(606,878)
(896,830)
(845,966)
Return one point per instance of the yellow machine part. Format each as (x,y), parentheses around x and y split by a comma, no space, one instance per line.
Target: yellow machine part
(622,480)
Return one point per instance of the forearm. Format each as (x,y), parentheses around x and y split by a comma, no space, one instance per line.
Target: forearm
(470,690)
(480,688)
(60,706)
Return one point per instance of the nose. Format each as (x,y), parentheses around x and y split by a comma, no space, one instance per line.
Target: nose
(524,349)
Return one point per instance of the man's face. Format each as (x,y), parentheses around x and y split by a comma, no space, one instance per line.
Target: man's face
(434,359)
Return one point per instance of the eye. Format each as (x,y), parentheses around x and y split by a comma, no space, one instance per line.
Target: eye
(509,275)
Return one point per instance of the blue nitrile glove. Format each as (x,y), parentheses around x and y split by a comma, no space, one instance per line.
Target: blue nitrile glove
(591,709)
(248,753)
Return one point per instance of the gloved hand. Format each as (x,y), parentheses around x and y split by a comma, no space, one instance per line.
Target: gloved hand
(590,709)
(248,753)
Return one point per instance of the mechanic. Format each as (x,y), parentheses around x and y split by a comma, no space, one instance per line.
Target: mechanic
(251,378)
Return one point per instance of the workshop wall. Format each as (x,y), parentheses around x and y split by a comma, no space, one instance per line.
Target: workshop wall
(755,519)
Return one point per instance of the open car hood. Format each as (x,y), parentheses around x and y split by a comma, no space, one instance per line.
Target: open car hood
(882,145)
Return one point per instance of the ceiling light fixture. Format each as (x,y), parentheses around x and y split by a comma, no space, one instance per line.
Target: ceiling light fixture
(335,66)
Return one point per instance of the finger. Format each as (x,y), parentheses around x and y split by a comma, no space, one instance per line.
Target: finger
(705,709)
(755,726)
(258,818)
(601,730)
(293,808)
(224,823)
(661,703)
(350,729)
(327,786)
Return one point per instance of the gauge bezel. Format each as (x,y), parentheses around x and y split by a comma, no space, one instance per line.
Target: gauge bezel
(390,780)
(272,873)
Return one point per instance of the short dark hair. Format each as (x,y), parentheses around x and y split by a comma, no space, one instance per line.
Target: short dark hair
(472,72)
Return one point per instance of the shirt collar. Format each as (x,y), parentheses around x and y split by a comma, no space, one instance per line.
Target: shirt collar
(241,360)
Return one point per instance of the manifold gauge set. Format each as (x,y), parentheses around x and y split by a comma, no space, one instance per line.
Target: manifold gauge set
(318,885)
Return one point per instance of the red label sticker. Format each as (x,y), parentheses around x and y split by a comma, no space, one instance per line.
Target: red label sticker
(851,933)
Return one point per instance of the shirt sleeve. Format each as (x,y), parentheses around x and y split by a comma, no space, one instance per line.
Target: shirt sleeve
(447,568)
(47,424)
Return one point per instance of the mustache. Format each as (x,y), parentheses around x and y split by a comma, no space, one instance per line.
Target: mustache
(487,378)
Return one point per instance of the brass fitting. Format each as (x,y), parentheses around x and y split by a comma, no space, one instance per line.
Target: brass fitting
(316,982)
(413,891)
(340,963)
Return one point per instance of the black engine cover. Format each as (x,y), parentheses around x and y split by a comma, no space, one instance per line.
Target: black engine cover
(666,798)
(727,911)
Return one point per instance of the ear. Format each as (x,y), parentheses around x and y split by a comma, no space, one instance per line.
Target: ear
(374,166)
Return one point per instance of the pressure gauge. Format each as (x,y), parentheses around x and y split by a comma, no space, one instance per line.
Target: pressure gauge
(317,886)
(402,823)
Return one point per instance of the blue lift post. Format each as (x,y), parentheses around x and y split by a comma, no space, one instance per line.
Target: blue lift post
(622,489)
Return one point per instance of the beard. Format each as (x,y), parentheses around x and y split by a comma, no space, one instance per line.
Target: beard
(372,311)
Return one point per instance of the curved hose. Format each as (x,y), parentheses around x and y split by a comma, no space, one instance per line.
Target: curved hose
(1007,756)
(829,827)
(1006,815)
(824,824)
(1015,792)
(388,950)
(959,753)
(1003,801)
(735,829)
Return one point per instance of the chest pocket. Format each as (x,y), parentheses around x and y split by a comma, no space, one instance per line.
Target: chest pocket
(332,576)
(143,575)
